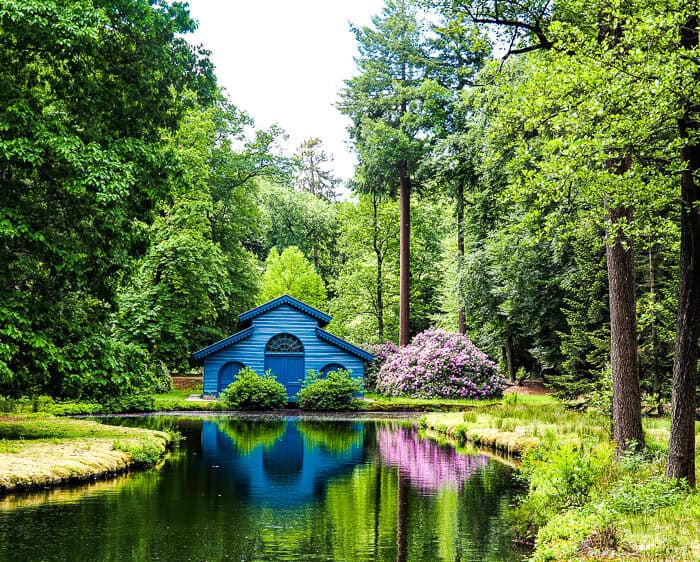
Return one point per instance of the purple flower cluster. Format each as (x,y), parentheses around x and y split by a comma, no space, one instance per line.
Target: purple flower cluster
(440,364)
(428,466)
(382,351)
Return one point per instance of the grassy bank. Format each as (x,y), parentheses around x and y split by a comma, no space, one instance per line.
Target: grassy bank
(583,502)
(38,450)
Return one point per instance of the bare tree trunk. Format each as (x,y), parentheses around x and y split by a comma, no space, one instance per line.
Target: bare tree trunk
(380,276)
(460,250)
(627,403)
(681,446)
(405,257)
(510,363)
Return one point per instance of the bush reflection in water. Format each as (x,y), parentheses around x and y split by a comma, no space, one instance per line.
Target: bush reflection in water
(427,465)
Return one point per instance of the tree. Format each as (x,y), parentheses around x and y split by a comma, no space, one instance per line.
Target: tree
(366,288)
(87,90)
(289,273)
(303,220)
(385,103)
(196,274)
(312,173)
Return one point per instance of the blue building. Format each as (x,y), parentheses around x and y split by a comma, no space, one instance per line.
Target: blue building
(285,336)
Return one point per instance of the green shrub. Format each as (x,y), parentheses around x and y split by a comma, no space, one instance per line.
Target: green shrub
(144,452)
(334,392)
(163,381)
(251,391)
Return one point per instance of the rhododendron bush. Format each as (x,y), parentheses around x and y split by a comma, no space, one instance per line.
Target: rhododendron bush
(440,364)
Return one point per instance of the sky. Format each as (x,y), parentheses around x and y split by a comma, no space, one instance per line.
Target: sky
(284,62)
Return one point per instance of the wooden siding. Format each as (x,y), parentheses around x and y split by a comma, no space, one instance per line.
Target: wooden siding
(283,319)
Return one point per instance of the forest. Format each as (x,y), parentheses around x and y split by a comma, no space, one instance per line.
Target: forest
(527,174)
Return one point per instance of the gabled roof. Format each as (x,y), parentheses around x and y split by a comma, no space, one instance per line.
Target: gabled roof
(342,344)
(238,336)
(291,301)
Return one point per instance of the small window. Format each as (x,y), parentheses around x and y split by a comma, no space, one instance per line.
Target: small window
(284,343)
(332,367)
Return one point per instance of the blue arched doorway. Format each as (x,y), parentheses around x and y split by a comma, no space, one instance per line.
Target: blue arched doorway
(227,374)
(284,356)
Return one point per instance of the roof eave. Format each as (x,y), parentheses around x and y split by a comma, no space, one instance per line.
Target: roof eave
(279,301)
(346,346)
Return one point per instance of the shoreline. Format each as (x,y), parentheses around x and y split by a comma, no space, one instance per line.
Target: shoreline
(39,451)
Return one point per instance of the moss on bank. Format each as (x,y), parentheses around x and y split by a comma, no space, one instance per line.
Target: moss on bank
(37,450)
(583,503)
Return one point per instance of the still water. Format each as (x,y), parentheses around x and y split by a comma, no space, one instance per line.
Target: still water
(277,489)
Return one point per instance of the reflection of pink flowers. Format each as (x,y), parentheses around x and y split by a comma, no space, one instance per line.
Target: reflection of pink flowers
(427,465)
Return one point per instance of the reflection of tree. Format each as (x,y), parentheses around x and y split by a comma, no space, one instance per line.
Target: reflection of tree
(402,519)
(427,465)
(334,436)
(247,435)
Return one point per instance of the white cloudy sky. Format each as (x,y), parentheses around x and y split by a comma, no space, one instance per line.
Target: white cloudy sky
(284,61)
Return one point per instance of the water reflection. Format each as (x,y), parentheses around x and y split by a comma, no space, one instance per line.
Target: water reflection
(427,465)
(283,489)
(281,464)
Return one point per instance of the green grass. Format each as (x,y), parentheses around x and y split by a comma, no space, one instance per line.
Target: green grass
(38,450)
(389,403)
(583,502)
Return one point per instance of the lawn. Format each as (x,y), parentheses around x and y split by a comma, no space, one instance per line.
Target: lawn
(37,450)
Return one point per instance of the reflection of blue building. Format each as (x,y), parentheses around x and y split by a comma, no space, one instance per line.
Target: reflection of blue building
(285,336)
(287,473)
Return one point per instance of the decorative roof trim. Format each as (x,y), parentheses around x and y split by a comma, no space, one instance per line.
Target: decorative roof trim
(342,344)
(291,301)
(238,336)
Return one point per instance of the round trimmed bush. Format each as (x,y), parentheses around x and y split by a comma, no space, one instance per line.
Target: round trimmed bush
(440,364)
(334,392)
(251,391)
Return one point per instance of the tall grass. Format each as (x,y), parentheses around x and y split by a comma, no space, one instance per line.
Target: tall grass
(584,500)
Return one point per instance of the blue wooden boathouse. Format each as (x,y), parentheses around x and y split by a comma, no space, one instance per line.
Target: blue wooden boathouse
(285,336)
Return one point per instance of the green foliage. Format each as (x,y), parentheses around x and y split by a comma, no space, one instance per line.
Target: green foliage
(83,169)
(289,273)
(251,391)
(333,392)
(144,453)
(313,175)
(365,307)
(303,220)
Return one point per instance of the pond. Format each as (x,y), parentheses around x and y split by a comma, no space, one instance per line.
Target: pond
(277,489)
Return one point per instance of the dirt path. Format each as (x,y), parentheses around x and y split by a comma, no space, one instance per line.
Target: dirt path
(528,387)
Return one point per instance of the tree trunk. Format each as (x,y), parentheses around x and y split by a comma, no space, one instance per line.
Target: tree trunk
(405,257)
(626,401)
(380,278)
(510,363)
(681,446)
(460,251)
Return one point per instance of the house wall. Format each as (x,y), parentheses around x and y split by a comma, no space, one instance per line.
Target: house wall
(283,319)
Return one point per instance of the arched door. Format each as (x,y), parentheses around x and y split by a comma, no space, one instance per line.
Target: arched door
(227,374)
(284,356)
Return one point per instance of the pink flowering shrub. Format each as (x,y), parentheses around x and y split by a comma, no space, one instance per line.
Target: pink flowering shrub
(382,353)
(440,364)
